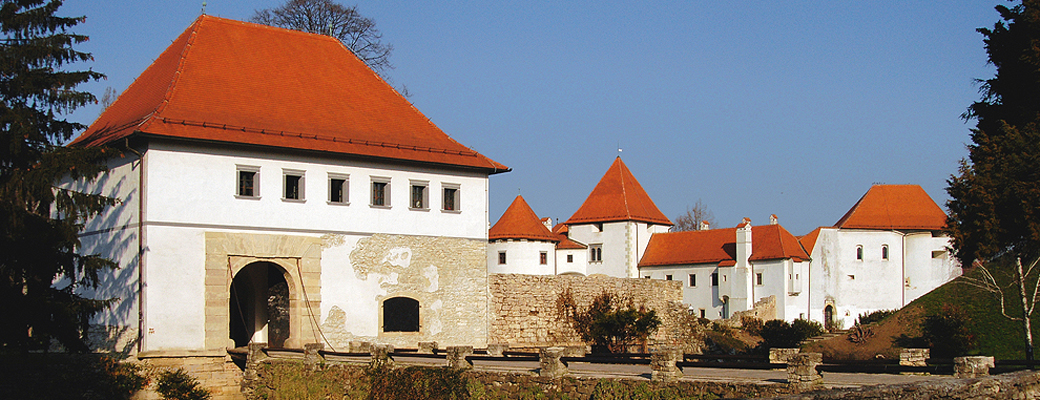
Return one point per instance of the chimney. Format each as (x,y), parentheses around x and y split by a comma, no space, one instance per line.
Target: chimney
(772,219)
(743,242)
(548,223)
(705,225)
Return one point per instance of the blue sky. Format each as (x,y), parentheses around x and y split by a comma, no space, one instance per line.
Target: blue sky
(755,108)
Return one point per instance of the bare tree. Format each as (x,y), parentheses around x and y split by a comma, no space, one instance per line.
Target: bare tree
(326,17)
(692,218)
(108,98)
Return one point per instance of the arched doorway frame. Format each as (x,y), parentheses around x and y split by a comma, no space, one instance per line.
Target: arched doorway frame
(299,257)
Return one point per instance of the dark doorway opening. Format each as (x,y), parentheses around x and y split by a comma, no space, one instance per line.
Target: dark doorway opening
(400,314)
(259,305)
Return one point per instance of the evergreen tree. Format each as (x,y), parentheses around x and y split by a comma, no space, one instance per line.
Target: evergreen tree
(994,211)
(41,275)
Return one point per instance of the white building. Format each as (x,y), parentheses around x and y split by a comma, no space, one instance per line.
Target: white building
(520,243)
(274,189)
(885,252)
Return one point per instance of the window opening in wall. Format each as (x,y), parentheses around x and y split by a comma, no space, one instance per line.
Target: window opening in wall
(292,184)
(570,258)
(451,197)
(420,199)
(758,278)
(248,181)
(693,280)
(381,192)
(647,277)
(400,314)
(338,189)
(667,277)
(501,257)
(702,313)
(884,252)
(859,253)
(543,258)
(595,253)
(714,278)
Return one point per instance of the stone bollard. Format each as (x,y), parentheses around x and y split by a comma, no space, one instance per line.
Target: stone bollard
(427,347)
(801,370)
(381,355)
(551,365)
(456,357)
(254,355)
(972,367)
(780,355)
(662,364)
(497,349)
(360,347)
(913,357)
(574,351)
(312,354)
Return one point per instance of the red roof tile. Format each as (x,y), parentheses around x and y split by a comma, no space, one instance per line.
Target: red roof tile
(618,197)
(520,222)
(242,83)
(809,240)
(889,207)
(768,242)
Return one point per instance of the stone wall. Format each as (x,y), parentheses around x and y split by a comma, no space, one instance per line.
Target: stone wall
(525,314)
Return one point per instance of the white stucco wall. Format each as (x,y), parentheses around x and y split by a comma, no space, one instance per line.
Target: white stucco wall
(623,244)
(702,296)
(522,257)
(579,261)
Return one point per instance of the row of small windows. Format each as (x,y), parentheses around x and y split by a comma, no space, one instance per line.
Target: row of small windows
(884,252)
(293,189)
(543,258)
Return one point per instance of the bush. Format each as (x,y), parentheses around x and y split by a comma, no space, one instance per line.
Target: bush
(417,383)
(947,332)
(606,323)
(179,385)
(876,316)
(751,325)
(721,343)
(68,376)
(779,333)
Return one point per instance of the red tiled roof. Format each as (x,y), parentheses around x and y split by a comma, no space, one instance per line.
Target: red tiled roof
(561,230)
(618,197)
(520,222)
(242,83)
(889,207)
(809,240)
(768,242)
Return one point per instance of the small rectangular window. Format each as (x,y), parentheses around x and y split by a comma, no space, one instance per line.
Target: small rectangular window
(702,313)
(339,189)
(292,184)
(758,279)
(450,198)
(420,195)
(381,192)
(667,277)
(501,257)
(570,258)
(693,280)
(715,279)
(248,181)
(884,252)
(543,258)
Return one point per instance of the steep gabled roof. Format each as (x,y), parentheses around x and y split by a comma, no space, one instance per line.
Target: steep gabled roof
(809,240)
(618,197)
(894,207)
(566,243)
(242,83)
(719,246)
(520,222)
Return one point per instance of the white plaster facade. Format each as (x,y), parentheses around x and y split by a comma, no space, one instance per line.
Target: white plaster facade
(522,256)
(622,244)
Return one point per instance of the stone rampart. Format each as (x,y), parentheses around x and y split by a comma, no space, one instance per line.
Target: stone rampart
(525,312)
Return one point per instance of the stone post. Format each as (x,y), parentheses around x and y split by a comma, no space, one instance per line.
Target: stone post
(780,355)
(381,355)
(972,367)
(574,351)
(312,354)
(914,357)
(662,364)
(801,370)
(456,357)
(497,349)
(427,347)
(360,347)
(254,355)
(551,364)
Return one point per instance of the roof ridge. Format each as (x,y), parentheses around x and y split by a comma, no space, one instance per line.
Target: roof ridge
(624,194)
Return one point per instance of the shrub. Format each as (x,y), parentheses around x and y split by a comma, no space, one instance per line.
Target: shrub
(751,325)
(947,332)
(876,316)
(417,383)
(68,376)
(779,333)
(606,323)
(721,343)
(179,385)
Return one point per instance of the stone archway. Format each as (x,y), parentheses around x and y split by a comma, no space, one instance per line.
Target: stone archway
(259,305)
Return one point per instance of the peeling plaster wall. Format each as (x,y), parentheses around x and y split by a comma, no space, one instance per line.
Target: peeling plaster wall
(448,276)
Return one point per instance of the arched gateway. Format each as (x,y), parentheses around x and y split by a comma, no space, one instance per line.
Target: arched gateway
(259,305)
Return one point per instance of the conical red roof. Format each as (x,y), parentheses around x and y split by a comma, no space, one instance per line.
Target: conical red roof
(618,197)
(894,207)
(520,222)
(242,83)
